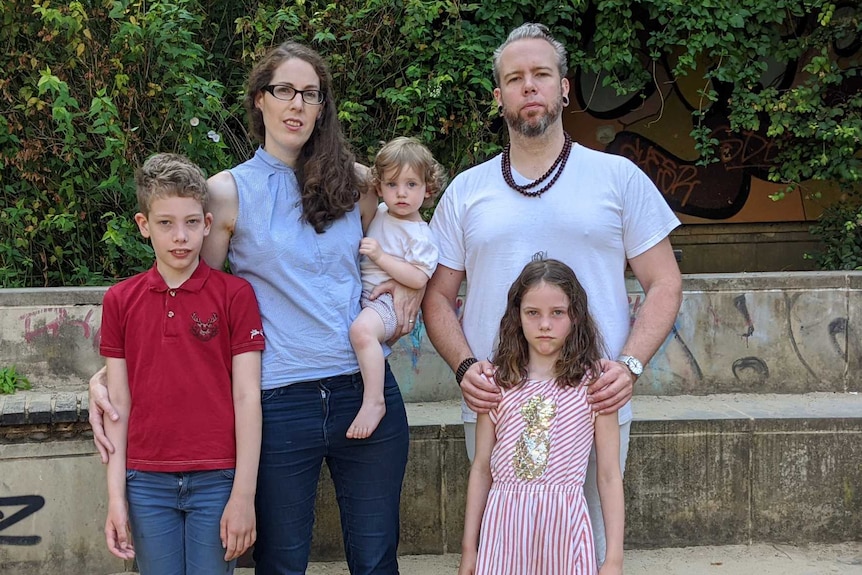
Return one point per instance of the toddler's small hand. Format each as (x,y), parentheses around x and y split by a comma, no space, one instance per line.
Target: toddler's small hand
(371,248)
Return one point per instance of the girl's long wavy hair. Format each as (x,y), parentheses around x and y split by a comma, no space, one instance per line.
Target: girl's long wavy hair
(583,348)
(326,171)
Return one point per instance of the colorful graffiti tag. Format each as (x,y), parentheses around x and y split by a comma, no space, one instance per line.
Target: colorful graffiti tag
(652,129)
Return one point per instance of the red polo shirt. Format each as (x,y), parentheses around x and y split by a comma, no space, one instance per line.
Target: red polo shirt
(179,346)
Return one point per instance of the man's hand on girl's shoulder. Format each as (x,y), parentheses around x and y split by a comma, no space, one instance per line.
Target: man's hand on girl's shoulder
(479,389)
(612,389)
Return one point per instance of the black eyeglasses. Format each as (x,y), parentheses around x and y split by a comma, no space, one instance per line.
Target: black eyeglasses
(288,93)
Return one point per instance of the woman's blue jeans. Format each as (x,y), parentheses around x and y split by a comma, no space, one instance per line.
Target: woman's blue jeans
(303,425)
(175,519)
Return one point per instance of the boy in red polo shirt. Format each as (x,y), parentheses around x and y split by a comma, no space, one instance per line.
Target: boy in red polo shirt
(182,344)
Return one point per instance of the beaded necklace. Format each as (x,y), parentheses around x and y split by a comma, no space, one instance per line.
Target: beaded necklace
(525,190)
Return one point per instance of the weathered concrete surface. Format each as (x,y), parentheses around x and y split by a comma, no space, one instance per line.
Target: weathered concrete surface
(761,333)
(740,468)
(701,470)
(745,247)
(806,480)
(735,333)
(52,509)
(763,559)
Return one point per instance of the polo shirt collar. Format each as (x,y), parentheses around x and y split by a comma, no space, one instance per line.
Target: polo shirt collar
(194,284)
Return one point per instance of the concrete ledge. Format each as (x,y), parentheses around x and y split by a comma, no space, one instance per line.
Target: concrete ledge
(715,470)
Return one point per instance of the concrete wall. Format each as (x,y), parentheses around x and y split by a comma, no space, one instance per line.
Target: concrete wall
(763,332)
(52,509)
(701,471)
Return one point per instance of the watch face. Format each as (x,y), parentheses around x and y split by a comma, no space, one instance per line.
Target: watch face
(634,365)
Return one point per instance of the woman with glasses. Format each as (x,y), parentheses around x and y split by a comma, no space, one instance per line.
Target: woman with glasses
(290,221)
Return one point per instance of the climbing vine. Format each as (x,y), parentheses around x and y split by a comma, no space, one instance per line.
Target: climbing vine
(91,87)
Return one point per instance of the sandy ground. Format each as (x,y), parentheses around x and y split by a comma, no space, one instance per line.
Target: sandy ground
(760,559)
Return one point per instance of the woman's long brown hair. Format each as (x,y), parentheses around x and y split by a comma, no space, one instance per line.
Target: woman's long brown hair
(326,170)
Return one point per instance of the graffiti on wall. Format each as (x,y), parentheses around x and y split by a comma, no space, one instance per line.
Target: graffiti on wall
(652,129)
(770,342)
(60,344)
(29,504)
(51,322)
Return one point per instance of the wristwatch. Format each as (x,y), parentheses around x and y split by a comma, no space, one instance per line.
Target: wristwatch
(633,363)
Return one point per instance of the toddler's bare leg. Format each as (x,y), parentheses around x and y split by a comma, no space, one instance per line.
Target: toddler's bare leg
(366,333)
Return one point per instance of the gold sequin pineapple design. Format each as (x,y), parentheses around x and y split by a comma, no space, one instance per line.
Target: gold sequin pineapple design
(533,447)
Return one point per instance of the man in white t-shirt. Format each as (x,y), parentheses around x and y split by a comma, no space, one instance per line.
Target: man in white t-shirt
(594,211)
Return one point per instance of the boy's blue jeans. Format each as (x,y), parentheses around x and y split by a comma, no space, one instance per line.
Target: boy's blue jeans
(303,424)
(175,519)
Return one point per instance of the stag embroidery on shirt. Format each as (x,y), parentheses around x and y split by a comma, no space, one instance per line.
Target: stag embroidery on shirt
(205,330)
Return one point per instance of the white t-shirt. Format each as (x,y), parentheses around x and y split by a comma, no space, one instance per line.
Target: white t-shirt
(406,240)
(602,211)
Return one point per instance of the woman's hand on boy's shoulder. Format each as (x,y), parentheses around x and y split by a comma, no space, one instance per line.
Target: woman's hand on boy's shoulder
(99,406)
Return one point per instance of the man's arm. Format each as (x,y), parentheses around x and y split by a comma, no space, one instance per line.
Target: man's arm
(238,520)
(658,273)
(447,336)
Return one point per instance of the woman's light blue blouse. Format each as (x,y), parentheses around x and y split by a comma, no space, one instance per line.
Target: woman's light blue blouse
(307,284)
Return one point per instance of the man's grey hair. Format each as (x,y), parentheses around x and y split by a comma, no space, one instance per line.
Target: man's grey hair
(531,30)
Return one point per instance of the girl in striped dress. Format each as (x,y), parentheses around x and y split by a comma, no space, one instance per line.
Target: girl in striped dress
(526,511)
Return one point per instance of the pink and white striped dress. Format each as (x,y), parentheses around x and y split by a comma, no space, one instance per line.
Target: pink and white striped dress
(536,520)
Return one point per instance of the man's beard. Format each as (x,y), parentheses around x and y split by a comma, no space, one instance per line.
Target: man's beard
(535,126)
